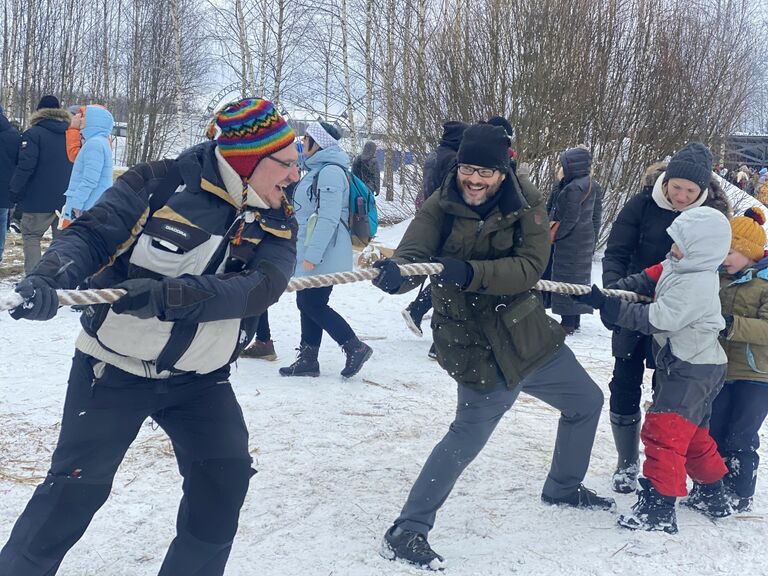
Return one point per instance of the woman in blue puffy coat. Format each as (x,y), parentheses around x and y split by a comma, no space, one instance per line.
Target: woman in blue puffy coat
(323,246)
(92,172)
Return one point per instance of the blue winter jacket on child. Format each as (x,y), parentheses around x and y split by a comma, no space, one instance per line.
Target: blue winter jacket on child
(92,172)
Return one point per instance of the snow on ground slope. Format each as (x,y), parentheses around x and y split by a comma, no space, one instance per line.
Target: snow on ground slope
(336,459)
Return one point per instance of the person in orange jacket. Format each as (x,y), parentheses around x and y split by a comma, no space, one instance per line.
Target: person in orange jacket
(74,139)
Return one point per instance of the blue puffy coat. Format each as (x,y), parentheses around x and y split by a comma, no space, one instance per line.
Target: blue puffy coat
(92,172)
(330,245)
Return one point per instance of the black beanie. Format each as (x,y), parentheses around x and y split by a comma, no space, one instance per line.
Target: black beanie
(48,101)
(693,162)
(485,145)
(501,121)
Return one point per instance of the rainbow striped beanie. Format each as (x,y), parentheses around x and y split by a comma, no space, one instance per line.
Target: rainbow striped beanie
(251,129)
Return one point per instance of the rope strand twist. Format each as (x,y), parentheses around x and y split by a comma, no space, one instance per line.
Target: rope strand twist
(11,300)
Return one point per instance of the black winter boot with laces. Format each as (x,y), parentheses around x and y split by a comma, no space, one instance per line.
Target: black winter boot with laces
(582,497)
(652,511)
(357,354)
(709,499)
(410,547)
(306,362)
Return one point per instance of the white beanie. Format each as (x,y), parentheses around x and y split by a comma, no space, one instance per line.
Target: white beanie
(319,135)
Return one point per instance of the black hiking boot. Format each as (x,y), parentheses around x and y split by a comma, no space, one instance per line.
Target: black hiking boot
(413,322)
(357,354)
(652,511)
(581,498)
(410,547)
(709,499)
(306,362)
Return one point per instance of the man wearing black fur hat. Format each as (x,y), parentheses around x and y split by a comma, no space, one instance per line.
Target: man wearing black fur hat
(490,232)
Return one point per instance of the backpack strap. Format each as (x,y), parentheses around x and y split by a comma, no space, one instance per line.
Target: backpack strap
(315,195)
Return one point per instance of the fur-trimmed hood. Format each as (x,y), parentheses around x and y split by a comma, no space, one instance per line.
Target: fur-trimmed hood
(56,114)
(716,197)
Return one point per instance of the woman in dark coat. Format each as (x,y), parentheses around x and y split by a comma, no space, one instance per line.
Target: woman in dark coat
(576,208)
(639,239)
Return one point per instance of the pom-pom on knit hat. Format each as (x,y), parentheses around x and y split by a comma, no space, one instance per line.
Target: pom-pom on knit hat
(251,129)
(748,234)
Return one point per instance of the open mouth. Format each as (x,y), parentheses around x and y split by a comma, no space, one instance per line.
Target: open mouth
(476,188)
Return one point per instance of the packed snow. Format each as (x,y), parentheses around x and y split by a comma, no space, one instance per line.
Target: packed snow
(336,459)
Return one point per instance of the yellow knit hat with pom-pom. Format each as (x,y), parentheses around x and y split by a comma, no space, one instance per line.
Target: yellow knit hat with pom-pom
(748,234)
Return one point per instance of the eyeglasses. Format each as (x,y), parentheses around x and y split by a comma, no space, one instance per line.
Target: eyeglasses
(468,170)
(289,165)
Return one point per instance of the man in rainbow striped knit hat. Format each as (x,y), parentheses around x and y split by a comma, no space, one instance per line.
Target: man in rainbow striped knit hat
(202,244)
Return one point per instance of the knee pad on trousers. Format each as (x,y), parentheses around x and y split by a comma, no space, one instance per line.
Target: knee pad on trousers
(215,491)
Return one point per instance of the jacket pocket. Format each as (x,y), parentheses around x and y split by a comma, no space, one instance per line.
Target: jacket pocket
(533,334)
(171,248)
(458,351)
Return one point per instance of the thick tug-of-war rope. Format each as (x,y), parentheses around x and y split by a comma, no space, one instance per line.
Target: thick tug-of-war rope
(11,300)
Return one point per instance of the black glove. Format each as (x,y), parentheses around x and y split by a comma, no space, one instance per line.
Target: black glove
(144,298)
(457,272)
(728,325)
(389,279)
(40,299)
(609,306)
(596,299)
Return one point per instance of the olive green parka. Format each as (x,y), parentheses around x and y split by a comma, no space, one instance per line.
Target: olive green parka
(497,326)
(745,298)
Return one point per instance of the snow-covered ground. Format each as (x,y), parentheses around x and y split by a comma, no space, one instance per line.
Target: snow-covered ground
(336,459)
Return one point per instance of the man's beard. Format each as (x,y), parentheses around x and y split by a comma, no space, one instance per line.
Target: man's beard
(489,193)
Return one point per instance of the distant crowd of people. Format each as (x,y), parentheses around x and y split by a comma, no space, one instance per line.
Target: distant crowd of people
(53,171)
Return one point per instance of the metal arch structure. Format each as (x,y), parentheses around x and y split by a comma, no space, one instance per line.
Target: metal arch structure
(208,113)
(220,96)
(235,87)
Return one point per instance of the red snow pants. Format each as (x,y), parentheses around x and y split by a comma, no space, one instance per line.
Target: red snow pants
(676,448)
(676,428)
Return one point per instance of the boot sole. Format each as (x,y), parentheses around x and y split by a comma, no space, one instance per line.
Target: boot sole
(631,523)
(705,512)
(308,374)
(624,489)
(411,324)
(269,358)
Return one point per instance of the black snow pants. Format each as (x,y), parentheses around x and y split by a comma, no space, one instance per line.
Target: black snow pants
(103,412)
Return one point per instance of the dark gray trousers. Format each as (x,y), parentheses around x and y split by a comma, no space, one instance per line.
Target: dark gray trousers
(562,383)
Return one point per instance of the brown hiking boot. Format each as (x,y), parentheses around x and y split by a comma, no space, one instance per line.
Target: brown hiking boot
(260,350)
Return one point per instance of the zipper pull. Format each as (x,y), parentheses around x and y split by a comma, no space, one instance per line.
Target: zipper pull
(480,225)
